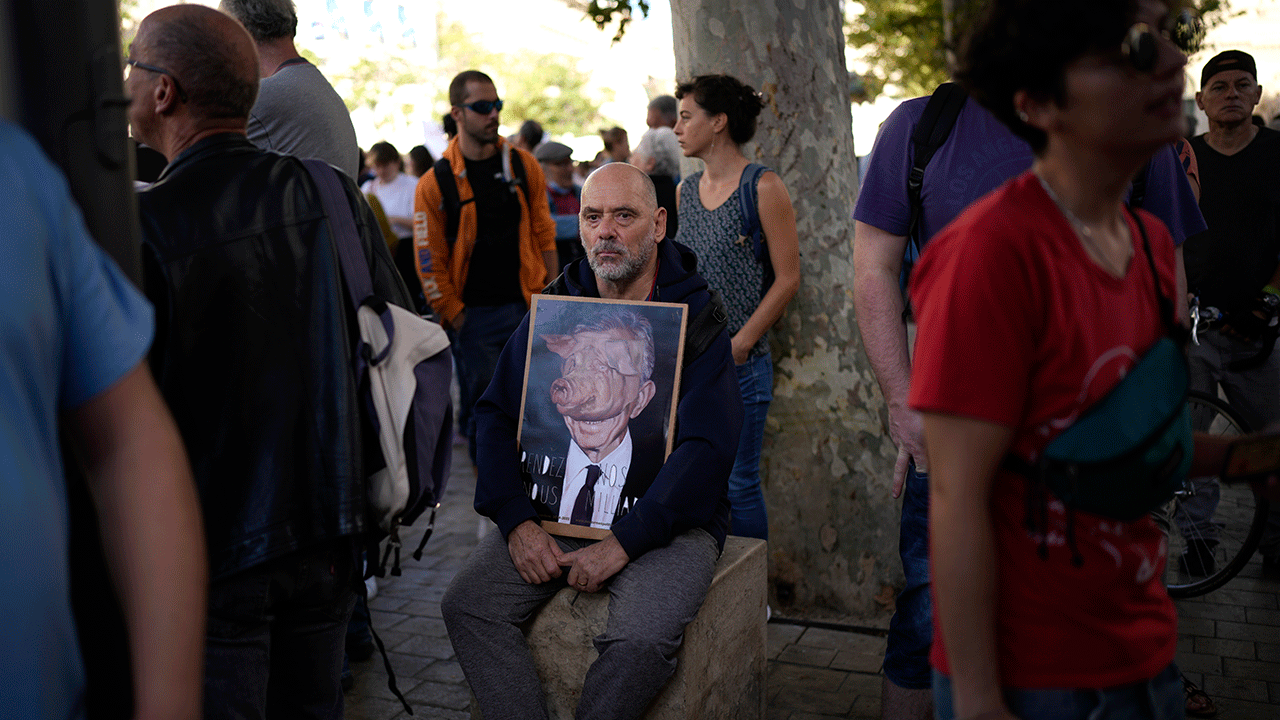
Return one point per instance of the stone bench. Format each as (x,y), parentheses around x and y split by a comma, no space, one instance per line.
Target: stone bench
(721,666)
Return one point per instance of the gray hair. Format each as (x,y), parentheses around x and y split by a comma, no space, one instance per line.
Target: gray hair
(667,105)
(264,19)
(618,318)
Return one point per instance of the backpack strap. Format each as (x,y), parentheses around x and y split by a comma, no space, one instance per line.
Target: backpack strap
(705,327)
(749,206)
(449,198)
(931,133)
(1138,190)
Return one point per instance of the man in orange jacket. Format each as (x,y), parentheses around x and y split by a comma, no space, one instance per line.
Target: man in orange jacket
(482,211)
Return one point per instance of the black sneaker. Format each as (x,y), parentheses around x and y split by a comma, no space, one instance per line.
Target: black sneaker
(1197,559)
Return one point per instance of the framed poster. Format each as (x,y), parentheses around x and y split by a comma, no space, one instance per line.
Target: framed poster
(598,408)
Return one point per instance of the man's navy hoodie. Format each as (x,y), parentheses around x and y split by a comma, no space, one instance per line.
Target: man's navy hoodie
(691,489)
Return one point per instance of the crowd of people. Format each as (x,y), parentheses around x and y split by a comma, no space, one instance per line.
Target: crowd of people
(1063,221)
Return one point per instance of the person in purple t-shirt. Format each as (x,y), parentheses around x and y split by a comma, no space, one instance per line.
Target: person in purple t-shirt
(978,156)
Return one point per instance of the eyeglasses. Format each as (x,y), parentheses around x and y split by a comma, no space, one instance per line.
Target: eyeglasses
(484,107)
(1141,44)
(130,62)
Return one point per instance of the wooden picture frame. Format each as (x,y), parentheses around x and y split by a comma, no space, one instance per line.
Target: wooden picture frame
(598,407)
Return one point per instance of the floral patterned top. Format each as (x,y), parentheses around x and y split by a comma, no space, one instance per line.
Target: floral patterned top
(725,258)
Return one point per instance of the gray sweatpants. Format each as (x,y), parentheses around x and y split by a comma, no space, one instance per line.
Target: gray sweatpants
(651,601)
(1255,393)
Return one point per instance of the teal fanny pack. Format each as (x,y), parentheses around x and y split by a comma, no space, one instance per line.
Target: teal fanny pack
(1131,450)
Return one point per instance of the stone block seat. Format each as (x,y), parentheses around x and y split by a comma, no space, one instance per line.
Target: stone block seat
(721,666)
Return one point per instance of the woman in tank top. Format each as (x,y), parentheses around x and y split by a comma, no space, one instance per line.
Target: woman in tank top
(717,116)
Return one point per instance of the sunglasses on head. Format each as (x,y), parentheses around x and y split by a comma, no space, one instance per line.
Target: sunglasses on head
(484,107)
(1141,44)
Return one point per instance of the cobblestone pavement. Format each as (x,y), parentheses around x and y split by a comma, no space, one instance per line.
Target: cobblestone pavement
(1229,641)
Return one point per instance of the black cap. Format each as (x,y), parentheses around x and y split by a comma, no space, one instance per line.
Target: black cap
(1229,60)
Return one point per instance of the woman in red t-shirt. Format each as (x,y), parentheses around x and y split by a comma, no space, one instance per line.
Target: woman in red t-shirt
(1031,307)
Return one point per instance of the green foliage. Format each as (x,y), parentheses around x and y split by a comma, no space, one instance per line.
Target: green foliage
(546,87)
(602,13)
(902,41)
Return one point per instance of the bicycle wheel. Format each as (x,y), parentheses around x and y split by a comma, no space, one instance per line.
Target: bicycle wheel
(1213,528)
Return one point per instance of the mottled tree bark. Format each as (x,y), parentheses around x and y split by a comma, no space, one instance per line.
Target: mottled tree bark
(828,460)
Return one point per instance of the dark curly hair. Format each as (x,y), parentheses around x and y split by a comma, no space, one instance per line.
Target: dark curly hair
(726,94)
(1027,45)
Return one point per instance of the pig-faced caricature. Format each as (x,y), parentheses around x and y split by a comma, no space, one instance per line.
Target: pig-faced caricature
(605,381)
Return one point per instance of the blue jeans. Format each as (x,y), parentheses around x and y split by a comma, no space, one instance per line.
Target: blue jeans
(475,349)
(1160,698)
(275,639)
(755,380)
(906,655)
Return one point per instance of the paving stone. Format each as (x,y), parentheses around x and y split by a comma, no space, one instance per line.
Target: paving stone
(863,684)
(838,702)
(1268,653)
(440,695)
(421,608)
(783,633)
(1226,648)
(775,713)
(1185,644)
(838,640)
(1250,669)
(1230,709)
(804,655)
(1237,688)
(1194,662)
(385,620)
(814,716)
(1210,610)
(1244,631)
(422,626)
(443,671)
(857,662)
(803,677)
(387,603)
(1196,626)
(426,646)
(1275,692)
(375,686)
(402,665)
(1245,598)
(1261,616)
(866,707)
(366,708)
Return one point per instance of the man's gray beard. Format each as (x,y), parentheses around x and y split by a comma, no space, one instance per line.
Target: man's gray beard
(624,272)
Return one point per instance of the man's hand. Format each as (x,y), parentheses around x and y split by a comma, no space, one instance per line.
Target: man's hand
(536,554)
(907,432)
(595,564)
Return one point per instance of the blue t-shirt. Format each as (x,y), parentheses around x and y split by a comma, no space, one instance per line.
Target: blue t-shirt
(71,325)
(980,155)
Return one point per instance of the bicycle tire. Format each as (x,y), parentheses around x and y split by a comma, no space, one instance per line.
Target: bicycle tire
(1240,515)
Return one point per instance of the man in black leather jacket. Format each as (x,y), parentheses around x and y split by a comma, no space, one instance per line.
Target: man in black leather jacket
(253,349)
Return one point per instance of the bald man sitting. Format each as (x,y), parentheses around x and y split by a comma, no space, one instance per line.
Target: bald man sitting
(253,354)
(658,560)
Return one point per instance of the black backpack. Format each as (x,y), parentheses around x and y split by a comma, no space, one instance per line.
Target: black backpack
(931,133)
(749,206)
(453,204)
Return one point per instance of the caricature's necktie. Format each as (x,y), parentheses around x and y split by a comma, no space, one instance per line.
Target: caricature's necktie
(582,506)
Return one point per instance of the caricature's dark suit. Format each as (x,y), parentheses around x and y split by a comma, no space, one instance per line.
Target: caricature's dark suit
(544,477)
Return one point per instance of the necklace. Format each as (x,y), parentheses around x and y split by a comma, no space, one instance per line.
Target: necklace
(1086,233)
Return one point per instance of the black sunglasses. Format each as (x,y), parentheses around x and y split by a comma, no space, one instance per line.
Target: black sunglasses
(1141,44)
(484,107)
(134,63)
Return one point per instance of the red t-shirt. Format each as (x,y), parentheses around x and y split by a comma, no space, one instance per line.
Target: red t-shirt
(1017,326)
